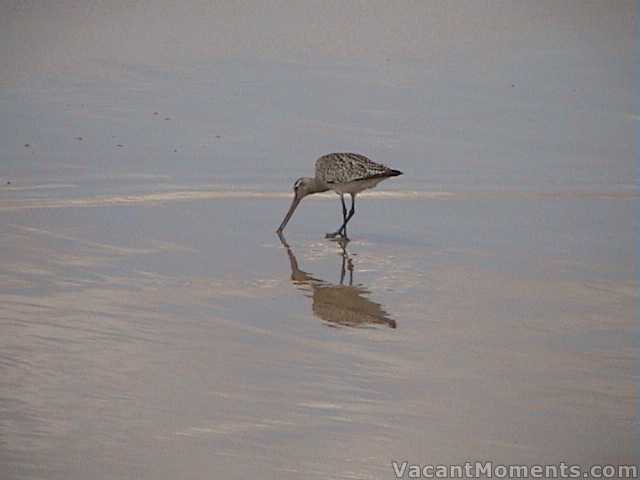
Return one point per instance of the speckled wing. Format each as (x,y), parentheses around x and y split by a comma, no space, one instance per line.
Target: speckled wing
(348,167)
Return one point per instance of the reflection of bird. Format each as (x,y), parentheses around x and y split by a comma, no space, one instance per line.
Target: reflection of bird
(343,173)
(341,304)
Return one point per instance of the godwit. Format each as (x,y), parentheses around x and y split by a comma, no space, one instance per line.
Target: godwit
(343,173)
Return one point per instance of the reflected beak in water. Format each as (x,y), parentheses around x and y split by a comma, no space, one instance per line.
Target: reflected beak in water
(294,204)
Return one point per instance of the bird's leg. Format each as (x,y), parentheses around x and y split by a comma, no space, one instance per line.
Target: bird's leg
(343,229)
(344,219)
(344,209)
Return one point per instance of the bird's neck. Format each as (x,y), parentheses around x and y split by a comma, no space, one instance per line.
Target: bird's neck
(317,186)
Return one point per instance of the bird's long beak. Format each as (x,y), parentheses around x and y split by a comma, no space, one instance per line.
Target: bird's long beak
(294,204)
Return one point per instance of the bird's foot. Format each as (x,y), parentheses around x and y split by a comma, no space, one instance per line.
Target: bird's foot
(338,236)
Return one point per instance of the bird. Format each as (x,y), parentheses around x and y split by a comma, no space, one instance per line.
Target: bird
(344,173)
(339,305)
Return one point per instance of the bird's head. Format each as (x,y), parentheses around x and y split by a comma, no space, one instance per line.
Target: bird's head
(304,186)
(301,188)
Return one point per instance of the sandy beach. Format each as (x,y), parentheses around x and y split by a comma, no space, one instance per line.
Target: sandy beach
(155,326)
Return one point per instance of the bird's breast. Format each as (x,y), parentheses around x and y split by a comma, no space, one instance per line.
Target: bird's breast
(355,186)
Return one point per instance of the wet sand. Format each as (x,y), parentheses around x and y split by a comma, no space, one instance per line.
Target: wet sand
(143,340)
(154,325)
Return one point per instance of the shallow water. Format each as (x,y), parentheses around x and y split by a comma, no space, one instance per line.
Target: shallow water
(168,338)
(155,326)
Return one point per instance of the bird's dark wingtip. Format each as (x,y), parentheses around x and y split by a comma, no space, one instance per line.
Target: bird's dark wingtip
(394,173)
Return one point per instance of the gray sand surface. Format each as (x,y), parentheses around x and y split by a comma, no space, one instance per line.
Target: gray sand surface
(154,326)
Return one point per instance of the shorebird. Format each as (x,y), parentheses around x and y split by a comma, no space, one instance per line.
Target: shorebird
(343,173)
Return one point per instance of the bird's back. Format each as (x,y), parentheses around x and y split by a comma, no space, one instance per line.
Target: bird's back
(336,168)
